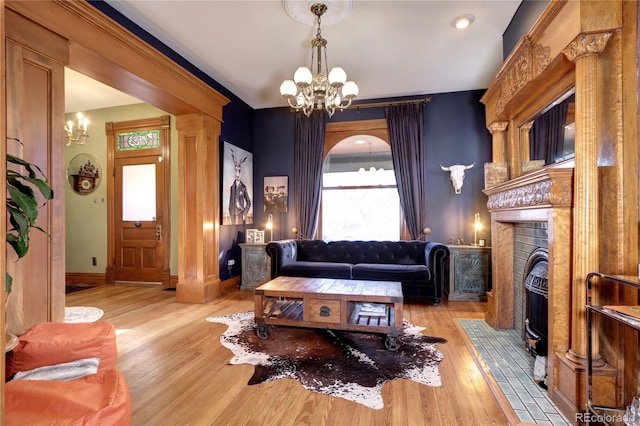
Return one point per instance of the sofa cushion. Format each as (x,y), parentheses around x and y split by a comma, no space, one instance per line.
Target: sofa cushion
(389,272)
(50,343)
(317,270)
(99,399)
(354,252)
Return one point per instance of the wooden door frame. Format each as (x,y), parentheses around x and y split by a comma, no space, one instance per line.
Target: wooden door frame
(112,129)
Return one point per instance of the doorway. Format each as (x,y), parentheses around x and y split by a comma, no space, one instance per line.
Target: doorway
(138,204)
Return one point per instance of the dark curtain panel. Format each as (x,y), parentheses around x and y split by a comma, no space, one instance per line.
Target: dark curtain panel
(406,129)
(546,140)
(308,151)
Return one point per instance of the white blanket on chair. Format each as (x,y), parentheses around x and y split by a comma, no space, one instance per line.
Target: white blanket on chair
(64,371)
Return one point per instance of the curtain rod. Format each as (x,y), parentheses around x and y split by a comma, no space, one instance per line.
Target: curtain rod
(384,104)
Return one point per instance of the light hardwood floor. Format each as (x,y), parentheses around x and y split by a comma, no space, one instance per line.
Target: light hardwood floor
(178,372)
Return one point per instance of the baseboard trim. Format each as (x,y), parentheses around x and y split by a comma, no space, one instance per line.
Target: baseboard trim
(231,284)
(94,279)
(90,279)
(173,281)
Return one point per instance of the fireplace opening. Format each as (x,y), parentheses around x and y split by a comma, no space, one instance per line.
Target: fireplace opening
(536,284)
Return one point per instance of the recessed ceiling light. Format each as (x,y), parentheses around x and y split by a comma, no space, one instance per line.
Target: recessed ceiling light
(463,21)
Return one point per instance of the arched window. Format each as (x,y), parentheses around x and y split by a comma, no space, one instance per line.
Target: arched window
(359,195)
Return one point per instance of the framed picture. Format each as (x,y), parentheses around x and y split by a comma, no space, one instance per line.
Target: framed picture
(259,237)
(250,236)
(237,186)
(276,193)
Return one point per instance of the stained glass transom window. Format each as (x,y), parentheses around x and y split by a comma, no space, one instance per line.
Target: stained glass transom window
(138,140)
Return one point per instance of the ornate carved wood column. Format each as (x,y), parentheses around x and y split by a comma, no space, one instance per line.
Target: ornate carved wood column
(584,51)
(198,199)
(497,171)
(499,140)
(525,141)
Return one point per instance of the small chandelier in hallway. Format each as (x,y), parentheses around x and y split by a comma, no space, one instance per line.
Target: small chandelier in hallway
(78,134)
(323,90)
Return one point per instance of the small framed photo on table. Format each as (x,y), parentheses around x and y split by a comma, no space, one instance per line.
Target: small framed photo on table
(259,237)
(250,236)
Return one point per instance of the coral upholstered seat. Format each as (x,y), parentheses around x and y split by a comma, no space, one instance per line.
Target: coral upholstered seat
(102,398)
(98,399)
(50,343)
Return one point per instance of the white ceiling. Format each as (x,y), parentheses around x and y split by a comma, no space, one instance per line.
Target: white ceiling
(82,93)
(389,47)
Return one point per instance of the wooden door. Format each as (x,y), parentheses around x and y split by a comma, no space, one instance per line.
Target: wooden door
(139,221)
(138,193)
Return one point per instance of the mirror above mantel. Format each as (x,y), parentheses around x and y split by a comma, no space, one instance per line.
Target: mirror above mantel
(549,137)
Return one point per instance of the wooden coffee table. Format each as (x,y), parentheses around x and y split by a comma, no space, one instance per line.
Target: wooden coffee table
(336,304)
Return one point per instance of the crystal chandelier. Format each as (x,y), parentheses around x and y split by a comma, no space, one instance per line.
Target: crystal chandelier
(322,90)
(79,135)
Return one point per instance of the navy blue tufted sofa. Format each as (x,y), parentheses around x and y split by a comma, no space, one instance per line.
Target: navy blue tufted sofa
(418,265)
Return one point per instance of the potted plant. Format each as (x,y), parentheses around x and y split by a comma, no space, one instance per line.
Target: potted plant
(22,204)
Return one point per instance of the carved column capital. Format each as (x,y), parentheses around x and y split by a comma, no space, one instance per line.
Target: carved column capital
(526,127)
(498,127)
(586,44)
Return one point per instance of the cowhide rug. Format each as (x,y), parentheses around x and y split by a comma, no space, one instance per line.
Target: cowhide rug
(348,365)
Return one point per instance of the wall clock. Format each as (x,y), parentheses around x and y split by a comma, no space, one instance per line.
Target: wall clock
(84,173)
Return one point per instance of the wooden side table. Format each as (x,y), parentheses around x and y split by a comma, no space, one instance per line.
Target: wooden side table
(469,277)
(256,265)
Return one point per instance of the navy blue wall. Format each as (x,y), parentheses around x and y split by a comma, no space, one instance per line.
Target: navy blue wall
(454,134)
(522,21)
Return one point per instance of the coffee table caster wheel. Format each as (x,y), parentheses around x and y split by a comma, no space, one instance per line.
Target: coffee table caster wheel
(263,331)
(392,343)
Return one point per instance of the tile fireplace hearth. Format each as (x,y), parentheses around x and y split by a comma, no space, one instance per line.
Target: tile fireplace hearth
(503,352)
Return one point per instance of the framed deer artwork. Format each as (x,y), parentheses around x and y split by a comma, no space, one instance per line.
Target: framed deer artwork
(237,186)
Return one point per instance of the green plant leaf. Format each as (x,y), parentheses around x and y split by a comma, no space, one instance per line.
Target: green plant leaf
(8,282)
(28,205)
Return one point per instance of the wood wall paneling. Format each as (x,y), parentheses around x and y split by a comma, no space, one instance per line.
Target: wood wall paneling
(35,115)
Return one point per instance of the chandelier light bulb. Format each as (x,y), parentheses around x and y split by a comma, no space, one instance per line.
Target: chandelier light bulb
(303,76)
(288,88)
(350,89)
(337,76)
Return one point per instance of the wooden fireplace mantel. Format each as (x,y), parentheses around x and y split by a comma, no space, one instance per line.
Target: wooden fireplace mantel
(548,187)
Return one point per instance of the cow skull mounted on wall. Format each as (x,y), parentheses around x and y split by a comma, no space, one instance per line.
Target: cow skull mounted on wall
(457,175)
